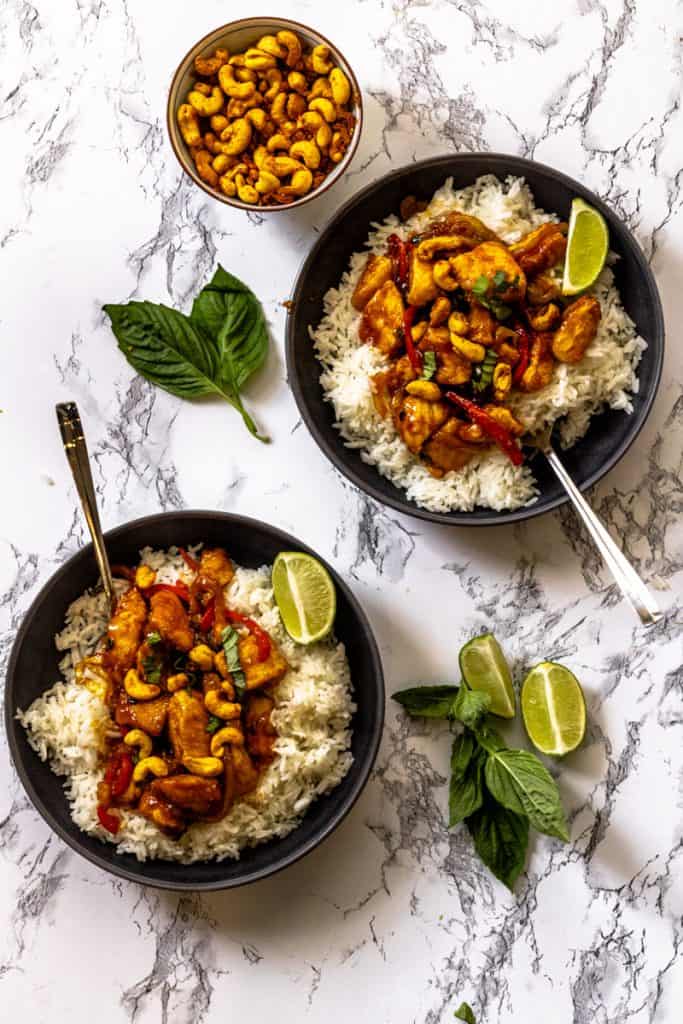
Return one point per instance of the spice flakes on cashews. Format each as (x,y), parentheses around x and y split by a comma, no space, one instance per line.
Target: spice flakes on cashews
(268,125)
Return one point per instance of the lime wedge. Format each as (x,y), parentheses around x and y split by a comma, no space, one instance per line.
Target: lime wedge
(553,709)
(305,596)
(587,247)
(484,668)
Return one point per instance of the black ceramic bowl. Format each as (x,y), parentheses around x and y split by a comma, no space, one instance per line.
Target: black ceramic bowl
(33,667)
(610,433)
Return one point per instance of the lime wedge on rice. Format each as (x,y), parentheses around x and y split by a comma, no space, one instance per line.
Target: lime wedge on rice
(484,668)
(587,247)
(553,708)
(305,596)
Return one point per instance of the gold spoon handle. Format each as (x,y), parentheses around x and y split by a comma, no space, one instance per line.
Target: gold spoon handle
(77,454)
(626,578)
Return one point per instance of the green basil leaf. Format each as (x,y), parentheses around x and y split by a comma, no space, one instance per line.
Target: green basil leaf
(166,348)
(470,706)
(464,1012)
(518,781)
(480,286)
(230,638)
(214,724)
(428,365)
(500,280)
(428,701)
(465,793)
(501,839)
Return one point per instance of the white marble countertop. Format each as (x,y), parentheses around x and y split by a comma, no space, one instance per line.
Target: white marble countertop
(393,919)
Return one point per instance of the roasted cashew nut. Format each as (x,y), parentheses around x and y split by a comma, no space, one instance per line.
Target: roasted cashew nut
(325,107)
(502,381)
(208,66)
(443,276)
(336,147)
(206,767)
(320,88)
(313,121)
(260,154)
(150,766)
(297,82)
(229,736)
(308,152)
(227,186)
(188,122)
(266,183)
(278,110)
(320,60)
(133,684)
(246,75)
(292,45)
(277,141)
(257,117)
(236,137)
(246,192)
(274,80)
(300,183)
(202,656)
(138,738)
(218,123)
(459,324)
(231,87)
(215,705)
(179,681)
(281,166)
(258,60)
(341,87)
(269,44)
(296,105)
(207,105)
(424,389)
(470,350)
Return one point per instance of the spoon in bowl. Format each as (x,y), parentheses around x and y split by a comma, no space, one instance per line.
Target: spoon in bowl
(77,454)
(625,576)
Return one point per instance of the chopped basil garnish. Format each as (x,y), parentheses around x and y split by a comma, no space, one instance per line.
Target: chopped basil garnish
(232,658)
(428,365)
(153,638)
(214,724)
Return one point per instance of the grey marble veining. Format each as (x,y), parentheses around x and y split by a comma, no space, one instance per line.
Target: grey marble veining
(393,919)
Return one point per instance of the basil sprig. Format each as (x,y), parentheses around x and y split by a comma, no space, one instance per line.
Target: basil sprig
(213,351)
(464,1012)
(499,793)
(230,639)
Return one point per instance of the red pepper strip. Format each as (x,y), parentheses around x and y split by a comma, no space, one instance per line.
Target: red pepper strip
(180,589)
(399,252)
(189,561)
(523,361)
(123,773)
(413,354)
(209,617)
(496,432)
(260,636)
(109,821)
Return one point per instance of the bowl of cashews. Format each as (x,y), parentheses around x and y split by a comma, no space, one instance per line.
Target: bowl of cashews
(264,113)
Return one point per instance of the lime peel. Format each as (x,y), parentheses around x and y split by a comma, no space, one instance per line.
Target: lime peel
(305,596)
(587,248)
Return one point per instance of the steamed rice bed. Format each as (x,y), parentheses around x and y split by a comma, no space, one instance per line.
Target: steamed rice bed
(312,715)
(605,376)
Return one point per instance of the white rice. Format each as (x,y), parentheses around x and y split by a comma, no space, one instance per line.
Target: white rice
(312,715)
(606,376)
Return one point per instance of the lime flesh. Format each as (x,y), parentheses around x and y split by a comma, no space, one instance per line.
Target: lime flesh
(305,596)
(553,708)
(587,248)
(484,668)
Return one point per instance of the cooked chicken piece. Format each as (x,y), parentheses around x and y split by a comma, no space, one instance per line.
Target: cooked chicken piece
(260,673)
(471,229)
(215,564)
(382,320)
(377,271)
(543,318)
(539,372)
(148,715)
(451,368)
(167,817)
(168,617)
(488,260)
(386,384)
(245,773)
(541,290)
(188,792)
(541,249)
(501,414)
(422,287)
(445,451)
(260,731)
(125,632)
(187,722)
(416,420)
(482,326)
(505,344)
(579,326)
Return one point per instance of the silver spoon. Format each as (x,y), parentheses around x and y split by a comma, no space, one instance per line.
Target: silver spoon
(626,578)
(77,454)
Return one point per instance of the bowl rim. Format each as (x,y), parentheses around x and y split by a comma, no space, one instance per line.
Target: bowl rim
(119,869)
(331,179)
(403,504)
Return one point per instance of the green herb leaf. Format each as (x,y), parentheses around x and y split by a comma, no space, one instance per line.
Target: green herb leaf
(152,669)
(214,724)
(465,793)
(230,640)
(464,1012)
(482,374)
(518,781)
(428,701)
(428,365)
(470,706)
(153,639)
(500,281)
(501,839)
(480,286)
